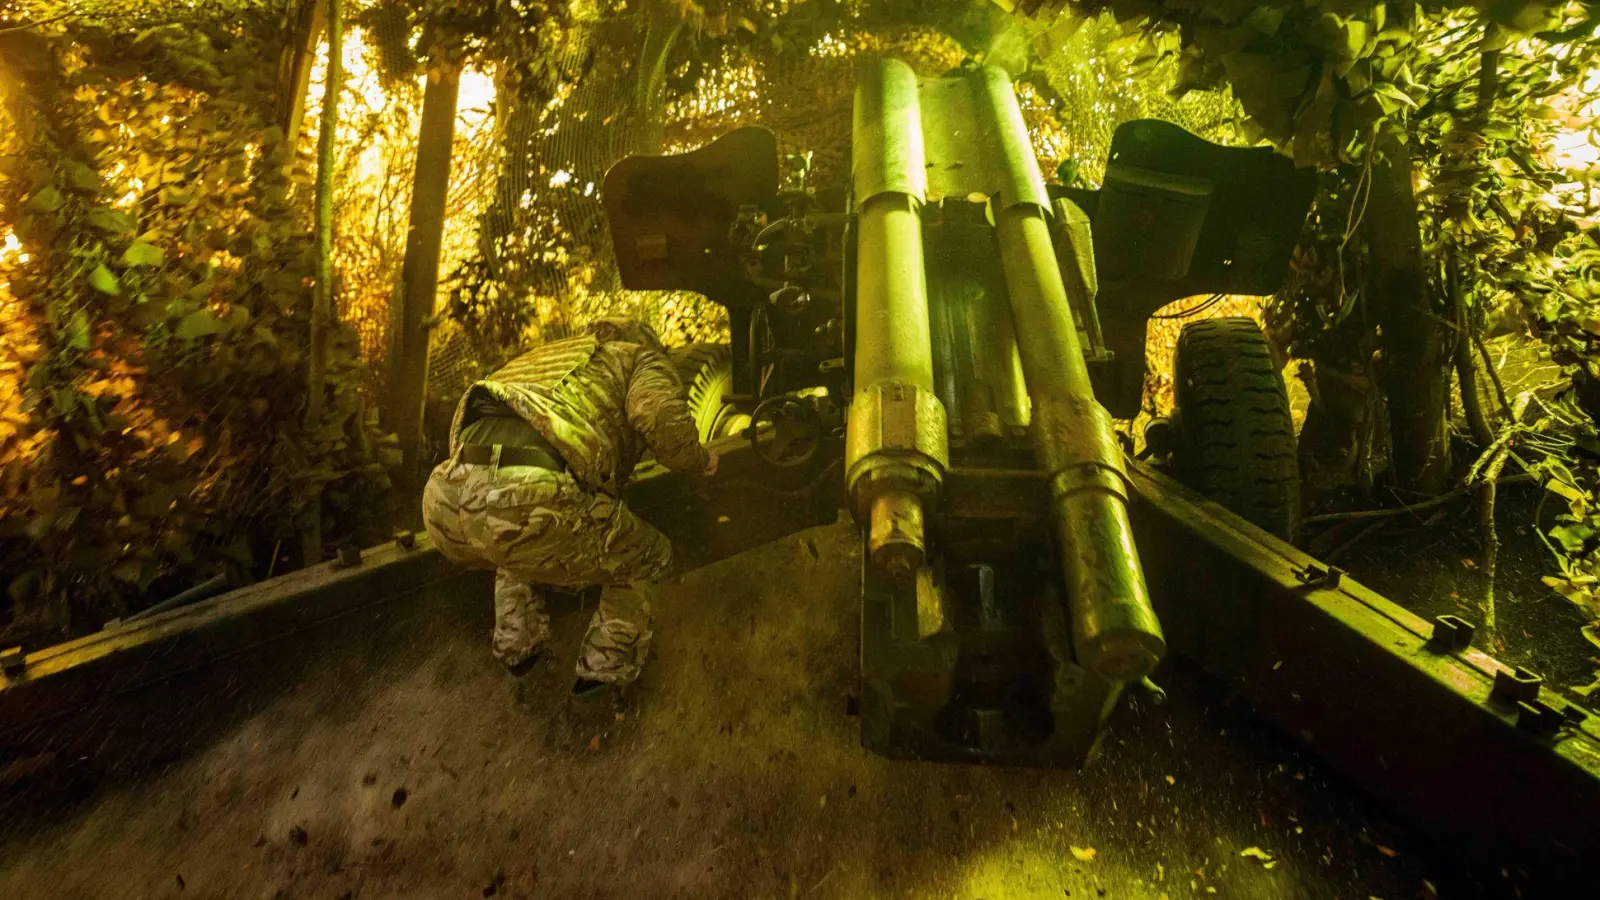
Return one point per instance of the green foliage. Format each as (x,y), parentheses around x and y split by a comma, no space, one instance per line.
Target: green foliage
(1322,79)
(165,277)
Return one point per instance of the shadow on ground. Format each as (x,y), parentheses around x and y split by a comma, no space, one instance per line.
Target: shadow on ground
(414,766)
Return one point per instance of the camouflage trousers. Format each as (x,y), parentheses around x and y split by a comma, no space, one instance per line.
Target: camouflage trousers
(538,528)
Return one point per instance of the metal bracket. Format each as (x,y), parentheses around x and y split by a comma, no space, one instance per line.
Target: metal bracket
(1316,575)
(1515,686)
(1450,634)
(13,661)
(1540,718)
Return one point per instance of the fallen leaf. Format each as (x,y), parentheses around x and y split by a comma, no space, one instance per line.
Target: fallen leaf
(1083,854)
(1256,853)
(594,743)
(1386,851)
(1171,780)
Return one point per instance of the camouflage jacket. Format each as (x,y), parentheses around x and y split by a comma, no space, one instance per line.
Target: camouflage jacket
(602,405)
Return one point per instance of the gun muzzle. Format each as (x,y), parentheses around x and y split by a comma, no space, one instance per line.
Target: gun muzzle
(896,448)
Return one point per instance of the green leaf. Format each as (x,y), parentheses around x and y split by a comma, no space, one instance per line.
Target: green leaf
(110,220)
(102,280)
(1391,98)
(142,254)
(81,178)
(78,331)
(46,200)
(198,324)
(1355,38)
(1266,19)
(1573,537)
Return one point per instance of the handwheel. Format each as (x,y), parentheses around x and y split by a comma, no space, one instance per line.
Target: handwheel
(785,431)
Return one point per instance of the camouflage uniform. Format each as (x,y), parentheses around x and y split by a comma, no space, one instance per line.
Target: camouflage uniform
(601,400)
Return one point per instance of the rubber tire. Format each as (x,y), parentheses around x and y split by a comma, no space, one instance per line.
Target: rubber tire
(1236,441)
(707,373)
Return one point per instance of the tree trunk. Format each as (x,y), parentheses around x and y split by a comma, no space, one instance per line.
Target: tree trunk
(1335,441)
(322,292)
(409,338)
(1416,361)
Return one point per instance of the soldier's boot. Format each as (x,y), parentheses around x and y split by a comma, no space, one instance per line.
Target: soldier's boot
(617,643)
(521,625)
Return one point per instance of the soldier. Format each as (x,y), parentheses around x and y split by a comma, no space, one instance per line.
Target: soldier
(538,454)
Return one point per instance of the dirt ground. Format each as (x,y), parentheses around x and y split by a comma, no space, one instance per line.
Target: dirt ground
(1437,569)
(416,767)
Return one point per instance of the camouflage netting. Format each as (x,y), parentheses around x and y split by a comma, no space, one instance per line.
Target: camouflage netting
(542,262)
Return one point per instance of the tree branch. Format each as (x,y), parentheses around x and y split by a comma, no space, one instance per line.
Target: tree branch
(1430,503)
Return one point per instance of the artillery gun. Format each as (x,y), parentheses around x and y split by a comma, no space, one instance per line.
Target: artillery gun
(942,351)
(958,339)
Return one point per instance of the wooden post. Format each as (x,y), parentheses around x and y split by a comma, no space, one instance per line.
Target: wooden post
(295,70)
(410,324)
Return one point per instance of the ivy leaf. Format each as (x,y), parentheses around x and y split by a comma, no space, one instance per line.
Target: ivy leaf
(46,200)
(140,253)
(102,280)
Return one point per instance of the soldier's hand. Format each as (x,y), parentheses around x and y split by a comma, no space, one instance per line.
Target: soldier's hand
(711,465)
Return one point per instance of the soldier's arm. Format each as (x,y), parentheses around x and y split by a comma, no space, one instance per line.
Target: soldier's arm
(659,411)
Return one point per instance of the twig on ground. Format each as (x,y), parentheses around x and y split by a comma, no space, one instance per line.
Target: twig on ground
(1491,539)
(1411,508)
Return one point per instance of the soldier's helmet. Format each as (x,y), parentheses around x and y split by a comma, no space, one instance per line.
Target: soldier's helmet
(631,331)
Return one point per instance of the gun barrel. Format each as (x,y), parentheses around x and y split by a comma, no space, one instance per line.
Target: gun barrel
(896,447)
(1115,630)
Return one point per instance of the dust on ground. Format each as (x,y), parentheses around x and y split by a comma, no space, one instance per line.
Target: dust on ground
(431,772)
